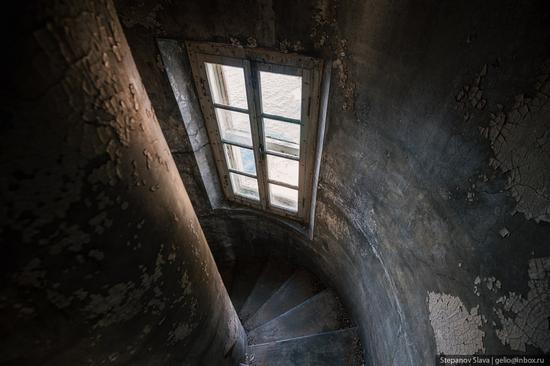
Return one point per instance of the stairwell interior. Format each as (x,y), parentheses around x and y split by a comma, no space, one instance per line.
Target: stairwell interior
(428,228)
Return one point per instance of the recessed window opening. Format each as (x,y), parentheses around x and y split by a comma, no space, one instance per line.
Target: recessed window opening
(261,115)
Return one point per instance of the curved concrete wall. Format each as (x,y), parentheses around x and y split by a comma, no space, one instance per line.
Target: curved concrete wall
(103,258)
(433,199)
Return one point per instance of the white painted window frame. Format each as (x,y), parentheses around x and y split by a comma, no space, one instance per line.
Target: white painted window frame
(253,61)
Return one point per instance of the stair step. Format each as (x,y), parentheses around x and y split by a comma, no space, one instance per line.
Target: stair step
(299,287)
(273,276)
(337,348)
(244,278)
(320,313)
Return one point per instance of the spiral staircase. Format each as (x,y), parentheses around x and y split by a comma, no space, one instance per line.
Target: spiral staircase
(291,318)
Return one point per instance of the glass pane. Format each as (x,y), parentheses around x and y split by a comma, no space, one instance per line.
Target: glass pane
(234,126)
(283,197)
(240,159)
(281,94)
(282,170)
(227,85)
(244,186)
(282,137)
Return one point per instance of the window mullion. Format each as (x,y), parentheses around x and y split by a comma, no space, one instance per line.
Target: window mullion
(304,131)
(252,93)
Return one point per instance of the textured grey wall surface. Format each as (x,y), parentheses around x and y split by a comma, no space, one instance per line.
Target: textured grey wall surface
(432,213)
(103,260)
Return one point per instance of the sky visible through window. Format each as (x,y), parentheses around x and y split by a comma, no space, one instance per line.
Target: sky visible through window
(281,104)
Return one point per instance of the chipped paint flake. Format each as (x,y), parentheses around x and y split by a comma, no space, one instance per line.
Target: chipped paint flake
(525,321)
(457,330)
(519,137)
(180,332)
(326,33)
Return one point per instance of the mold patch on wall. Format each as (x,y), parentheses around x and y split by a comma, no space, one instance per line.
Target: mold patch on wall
(457,330)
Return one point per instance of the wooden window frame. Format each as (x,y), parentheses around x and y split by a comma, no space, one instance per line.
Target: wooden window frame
(253,61)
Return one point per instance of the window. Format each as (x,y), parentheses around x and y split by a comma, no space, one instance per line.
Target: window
(261,111)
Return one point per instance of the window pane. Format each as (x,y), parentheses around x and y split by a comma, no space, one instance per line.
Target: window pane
(234,126)
(244,186)
(240,159)
(283,197)
(282,170)
(227,85)
(282,137)
(281,94)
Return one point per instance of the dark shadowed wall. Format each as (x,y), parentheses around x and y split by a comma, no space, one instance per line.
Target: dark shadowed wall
(103,260)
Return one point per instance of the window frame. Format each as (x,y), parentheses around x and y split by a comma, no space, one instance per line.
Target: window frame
(253,61)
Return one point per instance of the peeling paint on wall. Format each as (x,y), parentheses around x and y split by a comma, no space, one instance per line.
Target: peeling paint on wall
(326,33)
(82,236)
(471,98)
(405,66)
(525,321)
(180,332)
(520,138)
(457,330)
(491,283)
